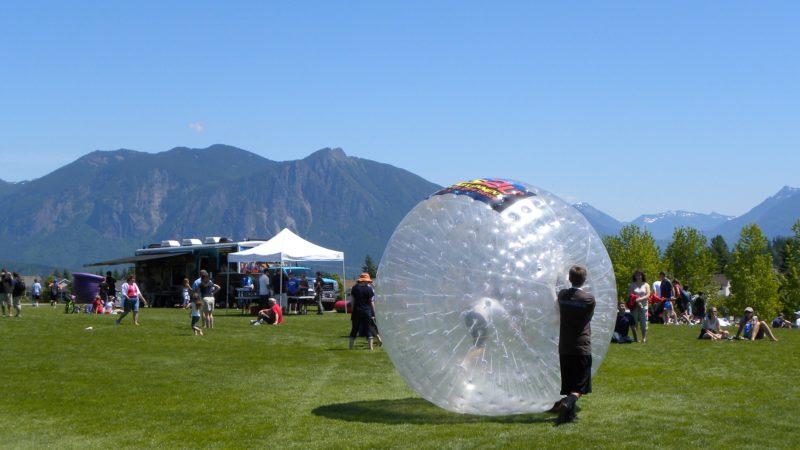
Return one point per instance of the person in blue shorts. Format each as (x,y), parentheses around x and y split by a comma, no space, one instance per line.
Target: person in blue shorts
(132,295)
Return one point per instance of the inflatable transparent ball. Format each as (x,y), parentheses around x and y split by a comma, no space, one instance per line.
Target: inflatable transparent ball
(466,295)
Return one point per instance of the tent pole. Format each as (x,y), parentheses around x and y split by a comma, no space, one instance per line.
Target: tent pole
(342,289)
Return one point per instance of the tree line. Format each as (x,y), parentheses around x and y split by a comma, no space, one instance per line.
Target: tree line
(764,275)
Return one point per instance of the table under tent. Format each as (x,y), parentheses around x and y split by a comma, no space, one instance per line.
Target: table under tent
(287,247)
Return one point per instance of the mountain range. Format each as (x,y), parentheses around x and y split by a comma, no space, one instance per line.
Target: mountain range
(775,216)
(108,203)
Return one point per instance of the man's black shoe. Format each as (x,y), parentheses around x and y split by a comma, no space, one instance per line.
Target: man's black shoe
(556,406)
(566,413)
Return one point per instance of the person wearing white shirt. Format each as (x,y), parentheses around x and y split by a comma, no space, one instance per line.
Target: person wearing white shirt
(132,295)
(263,289)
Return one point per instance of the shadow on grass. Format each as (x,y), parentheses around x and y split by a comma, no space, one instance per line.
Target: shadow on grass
(415,411)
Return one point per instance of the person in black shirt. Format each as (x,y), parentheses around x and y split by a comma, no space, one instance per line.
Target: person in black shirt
(111,284)
(363,310)
(5,291)
(576,309)
(318,284)
(699,309)
(623,326)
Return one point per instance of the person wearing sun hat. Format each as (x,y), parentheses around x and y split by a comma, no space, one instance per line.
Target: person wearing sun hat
(363,310)
(752,327)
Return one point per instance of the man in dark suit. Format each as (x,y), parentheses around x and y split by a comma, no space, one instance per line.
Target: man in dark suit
(576,308)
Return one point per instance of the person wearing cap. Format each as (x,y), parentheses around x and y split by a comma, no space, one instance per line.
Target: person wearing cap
(363,310)
(271,315)
(752,327)
(711,327)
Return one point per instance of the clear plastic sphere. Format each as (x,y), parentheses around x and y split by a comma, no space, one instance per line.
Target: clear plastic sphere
(466,295)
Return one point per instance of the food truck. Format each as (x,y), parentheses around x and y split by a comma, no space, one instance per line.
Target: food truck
(161,267)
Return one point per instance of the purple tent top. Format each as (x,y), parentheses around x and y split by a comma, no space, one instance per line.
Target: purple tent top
(86,286)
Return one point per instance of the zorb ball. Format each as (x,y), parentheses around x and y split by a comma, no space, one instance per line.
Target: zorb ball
(466,295)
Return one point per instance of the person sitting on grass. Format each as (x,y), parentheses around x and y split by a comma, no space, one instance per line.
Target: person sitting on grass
(271,315)
(752,327)
(711,329)
(97,305)
(623,325)
(781,322)
(70,307)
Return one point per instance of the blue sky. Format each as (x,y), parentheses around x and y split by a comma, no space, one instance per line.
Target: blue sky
(634,107)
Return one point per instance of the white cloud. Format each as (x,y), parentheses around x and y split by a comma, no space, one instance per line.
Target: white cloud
(197,126)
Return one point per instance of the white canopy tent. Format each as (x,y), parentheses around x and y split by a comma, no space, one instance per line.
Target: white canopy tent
(287,246)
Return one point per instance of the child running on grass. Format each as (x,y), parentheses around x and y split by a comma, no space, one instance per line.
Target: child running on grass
(197,306)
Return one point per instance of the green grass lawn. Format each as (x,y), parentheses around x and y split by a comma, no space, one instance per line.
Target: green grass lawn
(297,386)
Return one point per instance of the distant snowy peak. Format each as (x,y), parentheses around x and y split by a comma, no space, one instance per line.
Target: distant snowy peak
(10,186)
(786,192)
(775,216)
(681,215)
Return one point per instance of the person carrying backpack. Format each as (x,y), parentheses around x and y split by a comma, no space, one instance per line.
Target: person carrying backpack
(6,286)
(54,292)
(17,291)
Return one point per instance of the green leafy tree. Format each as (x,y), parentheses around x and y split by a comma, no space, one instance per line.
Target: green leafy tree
(753,279)
(338,279)
(777,246)
(689,259)
(790,283)
(721,253)
(369,267)
(632,249)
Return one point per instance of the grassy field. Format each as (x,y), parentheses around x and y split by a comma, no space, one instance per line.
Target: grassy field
(297,386)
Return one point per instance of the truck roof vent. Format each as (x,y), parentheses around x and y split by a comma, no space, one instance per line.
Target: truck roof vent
(211,240)
(191,242)
(170,243)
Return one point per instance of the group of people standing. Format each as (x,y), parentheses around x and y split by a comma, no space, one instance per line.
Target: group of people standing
(199,296)
(12,288)
(667,301)
(659,303)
